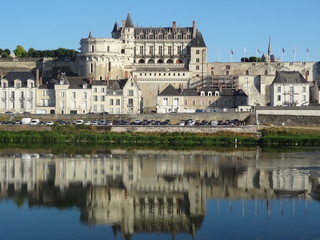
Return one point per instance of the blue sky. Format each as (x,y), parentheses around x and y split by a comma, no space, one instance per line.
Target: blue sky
(225,25)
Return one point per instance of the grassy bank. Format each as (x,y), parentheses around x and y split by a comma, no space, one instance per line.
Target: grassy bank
(280,136)
(83,134)
(276,136)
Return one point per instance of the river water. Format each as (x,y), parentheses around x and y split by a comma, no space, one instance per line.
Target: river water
(160,194)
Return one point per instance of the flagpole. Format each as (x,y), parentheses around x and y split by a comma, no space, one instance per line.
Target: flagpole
(219,55)
(294,55)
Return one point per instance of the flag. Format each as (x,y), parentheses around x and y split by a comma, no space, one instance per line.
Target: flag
(307,50)
(282,50)
(258,50)
(231,51)
(294,50)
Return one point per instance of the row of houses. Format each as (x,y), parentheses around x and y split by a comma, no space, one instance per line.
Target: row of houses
(22,92)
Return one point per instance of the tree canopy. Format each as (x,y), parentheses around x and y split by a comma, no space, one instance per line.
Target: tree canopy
(251,59)
(5,53)
(20,52)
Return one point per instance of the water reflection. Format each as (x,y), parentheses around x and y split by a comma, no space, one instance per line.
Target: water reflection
(138,191)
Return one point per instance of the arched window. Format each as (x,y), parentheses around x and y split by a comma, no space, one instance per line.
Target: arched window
(141,61)
(108,48)
(92,48)
(216,93)
(202,93)
(169,61)
(150,61)
(209,94)
(160,61)
(227,72)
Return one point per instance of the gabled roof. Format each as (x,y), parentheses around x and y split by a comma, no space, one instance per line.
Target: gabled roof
(289,77)
(198,41)
(169,91)
(128,22)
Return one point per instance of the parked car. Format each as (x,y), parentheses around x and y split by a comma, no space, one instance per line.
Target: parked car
(34,122)
(9,113)
(49,123)
(79,122)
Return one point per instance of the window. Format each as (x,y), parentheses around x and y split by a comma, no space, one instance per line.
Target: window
(18,84)
(169,50)
(304,98)
(73,95)
(227,72)
(62,94)
(209,94)
(165,101)
(303,89)
(151,50)
(95,98)
(95,89)
(291,89)
(279,89)
(130,93)
(279,98)
(247,72)
(160,50)
(102,98)
(193,102)
(130,102)
(84,95)
(202,93)
(91,68)
(118,102)
(197,60)
(197,51)
(111,102)
(92,48)
(291,98)
(141,50)
(197,67)
(176,101)
(179,50)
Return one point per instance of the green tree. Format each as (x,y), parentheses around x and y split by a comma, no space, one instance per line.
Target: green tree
(20,52)
(254,59)
(7,51)
(31,52)
(4,55)
(244,59)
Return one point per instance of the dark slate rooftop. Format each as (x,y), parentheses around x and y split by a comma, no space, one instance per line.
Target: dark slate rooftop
(22,76)
(197,41)
(111,84)
(289,77)
(77,82)
(169,91)
(128,22)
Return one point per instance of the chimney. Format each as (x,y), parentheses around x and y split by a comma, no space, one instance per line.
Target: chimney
(37,77)
(174,24)
(194,27)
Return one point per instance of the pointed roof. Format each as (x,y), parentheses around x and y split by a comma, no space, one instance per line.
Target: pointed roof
(128,23)
(289,77)
(198,41)
(115,27)
(269,47)
(169,91)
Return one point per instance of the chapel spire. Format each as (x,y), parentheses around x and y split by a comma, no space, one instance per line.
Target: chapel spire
(269,47)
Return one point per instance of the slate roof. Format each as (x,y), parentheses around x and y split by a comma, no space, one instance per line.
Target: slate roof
(197,41)
(77,82)
(169,91)
(22,76)
(289,77)
(128,22)
(111,84)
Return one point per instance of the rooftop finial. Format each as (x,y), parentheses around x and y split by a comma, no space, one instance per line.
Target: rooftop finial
(90,35)
(269,47)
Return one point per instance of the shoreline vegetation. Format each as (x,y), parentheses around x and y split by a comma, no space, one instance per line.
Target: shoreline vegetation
(269,136)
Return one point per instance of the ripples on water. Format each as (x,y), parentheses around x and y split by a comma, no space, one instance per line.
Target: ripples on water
(154,194)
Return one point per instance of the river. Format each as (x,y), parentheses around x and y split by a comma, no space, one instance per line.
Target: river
(159,194)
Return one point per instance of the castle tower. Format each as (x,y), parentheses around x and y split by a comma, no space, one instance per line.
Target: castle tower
(127,37)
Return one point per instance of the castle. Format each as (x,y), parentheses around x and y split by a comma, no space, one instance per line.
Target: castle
(129,71)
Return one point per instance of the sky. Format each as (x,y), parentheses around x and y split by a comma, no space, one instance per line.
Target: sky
(241,25)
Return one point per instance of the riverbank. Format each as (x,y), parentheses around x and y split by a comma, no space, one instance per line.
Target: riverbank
(164,136)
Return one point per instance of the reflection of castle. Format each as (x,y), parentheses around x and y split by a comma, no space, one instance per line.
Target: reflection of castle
(151,191)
